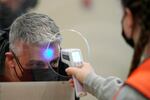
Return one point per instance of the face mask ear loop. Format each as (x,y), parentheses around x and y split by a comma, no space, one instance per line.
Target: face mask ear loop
(16,72)
(18,62)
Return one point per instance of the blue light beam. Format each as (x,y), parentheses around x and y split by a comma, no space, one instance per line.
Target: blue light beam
(48,54)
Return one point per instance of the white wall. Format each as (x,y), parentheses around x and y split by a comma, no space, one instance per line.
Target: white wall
(101,25)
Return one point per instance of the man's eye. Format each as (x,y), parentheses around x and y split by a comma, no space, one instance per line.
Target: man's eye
(54,63)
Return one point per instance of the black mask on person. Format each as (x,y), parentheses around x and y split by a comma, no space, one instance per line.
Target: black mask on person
(7,16)
(38,75)
(130,42)
(43,74)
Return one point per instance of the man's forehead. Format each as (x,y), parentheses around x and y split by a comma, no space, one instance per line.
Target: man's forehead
(35,51)
(28,46)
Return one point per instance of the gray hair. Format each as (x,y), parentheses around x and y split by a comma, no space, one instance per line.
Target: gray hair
(34,28)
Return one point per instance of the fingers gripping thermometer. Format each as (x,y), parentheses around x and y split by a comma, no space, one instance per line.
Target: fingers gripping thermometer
(73,57)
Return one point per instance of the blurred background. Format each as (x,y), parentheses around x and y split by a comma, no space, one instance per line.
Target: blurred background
(100,22)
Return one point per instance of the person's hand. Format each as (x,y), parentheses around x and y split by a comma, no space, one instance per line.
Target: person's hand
(80,73)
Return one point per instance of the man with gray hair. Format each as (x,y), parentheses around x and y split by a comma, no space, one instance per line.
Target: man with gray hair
(34,41)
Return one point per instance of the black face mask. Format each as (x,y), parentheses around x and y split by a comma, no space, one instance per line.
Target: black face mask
(130,42)
(38,75)
(7,16)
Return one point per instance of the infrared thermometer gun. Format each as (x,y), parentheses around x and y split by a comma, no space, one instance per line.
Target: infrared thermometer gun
(73,57)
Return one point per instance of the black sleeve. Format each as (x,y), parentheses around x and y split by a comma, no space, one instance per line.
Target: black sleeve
(4,47)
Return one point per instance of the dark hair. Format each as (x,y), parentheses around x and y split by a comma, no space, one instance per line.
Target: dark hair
(29,4)
(141,14)
(4,47)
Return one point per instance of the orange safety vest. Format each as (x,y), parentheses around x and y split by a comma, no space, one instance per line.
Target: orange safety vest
(140,79)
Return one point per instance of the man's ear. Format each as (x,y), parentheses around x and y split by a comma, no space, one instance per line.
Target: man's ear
(9,60)
(128,23)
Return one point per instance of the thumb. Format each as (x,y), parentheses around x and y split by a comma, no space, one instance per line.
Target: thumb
(72,70)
